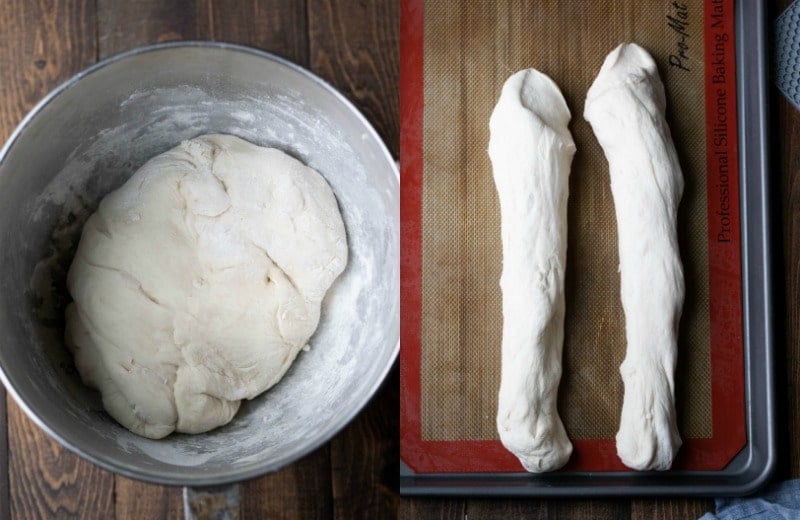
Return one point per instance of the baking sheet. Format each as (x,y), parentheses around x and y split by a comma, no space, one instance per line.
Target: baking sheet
(451,262)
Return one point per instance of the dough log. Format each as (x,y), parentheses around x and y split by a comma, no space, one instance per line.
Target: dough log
(625,107)
(531,151)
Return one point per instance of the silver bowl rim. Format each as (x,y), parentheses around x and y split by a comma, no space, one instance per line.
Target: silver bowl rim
(223,477)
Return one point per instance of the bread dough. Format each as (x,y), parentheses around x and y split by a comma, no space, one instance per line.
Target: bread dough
(198,281)
(625,107)
(531,151)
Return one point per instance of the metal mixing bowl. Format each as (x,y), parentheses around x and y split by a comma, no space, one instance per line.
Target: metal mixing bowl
(85,139)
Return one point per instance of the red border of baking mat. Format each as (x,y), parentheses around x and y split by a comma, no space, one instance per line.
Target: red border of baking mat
(727,367)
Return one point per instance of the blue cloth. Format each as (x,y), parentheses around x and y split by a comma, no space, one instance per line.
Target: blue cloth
(787,53)
(778,501)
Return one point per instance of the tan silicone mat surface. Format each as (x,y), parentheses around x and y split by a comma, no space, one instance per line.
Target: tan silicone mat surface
(470,48)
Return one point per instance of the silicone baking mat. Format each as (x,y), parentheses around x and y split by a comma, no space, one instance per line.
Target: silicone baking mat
(455,57)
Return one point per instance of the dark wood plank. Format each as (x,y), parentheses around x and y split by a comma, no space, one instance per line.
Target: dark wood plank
(436,509)
(42,43)
(278,26)
(301,490)
(5,495)
(670,508)
(365,458)
(789,143)
(354,45)
(134,499)
(500,509)
(589,509)
(124,24)
(48,481)
(788,162)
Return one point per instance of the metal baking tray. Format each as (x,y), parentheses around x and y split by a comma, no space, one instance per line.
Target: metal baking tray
(755,463)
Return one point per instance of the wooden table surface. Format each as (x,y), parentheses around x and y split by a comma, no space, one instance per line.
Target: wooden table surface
(352,44)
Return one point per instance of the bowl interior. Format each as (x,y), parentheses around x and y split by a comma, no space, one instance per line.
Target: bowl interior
(85,140)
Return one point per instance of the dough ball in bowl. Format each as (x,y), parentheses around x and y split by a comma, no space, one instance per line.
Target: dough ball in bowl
(85,141)
(198,281)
